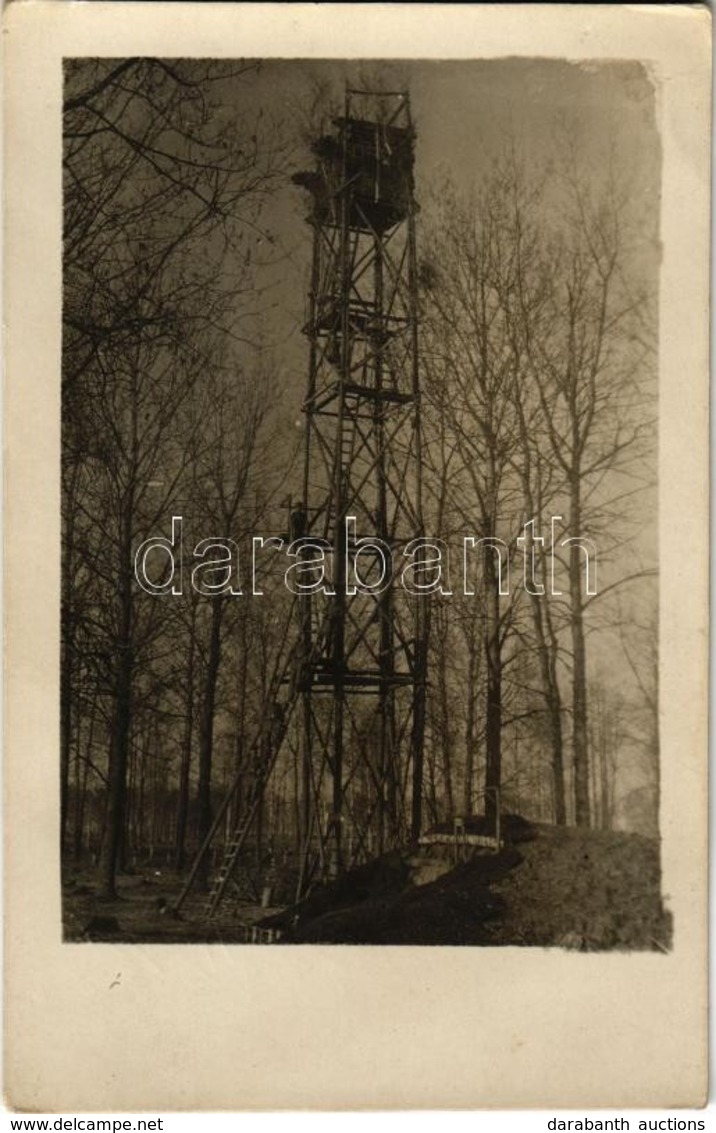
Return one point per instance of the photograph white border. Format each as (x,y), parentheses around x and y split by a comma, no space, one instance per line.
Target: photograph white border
(209,1027)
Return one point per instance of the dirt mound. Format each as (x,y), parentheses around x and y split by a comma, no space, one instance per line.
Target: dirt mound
(382,880)
(451,910)
(558,887)
(585,889)
(580,889)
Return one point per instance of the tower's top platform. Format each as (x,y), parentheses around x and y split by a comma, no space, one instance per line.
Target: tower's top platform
(370,162)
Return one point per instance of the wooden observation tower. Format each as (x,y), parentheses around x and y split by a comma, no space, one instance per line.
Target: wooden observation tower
(351,681)
(363,702)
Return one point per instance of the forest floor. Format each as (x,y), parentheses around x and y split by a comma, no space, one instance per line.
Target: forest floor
(549,887)
(142,911)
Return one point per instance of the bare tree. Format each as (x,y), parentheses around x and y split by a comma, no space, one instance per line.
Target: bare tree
(469,383)
(237,441)
(163,193)
(588,365)
(540,349)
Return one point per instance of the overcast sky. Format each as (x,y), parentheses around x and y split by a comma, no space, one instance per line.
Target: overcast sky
(466,113)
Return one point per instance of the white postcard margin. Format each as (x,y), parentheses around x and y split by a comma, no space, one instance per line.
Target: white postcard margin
(129,1027)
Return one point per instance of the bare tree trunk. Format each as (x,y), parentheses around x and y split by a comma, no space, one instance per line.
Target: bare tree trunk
(446,745)
(431,793)
(81,774)
(206,726)
(130,839)
(241,732)
(493,706)
(65,726)
(119,744)
(605,787)
(443,740)
(547,651)
(69,630)
(419,704)
(546,639)
(560,800)
(185,770)
(470,730)
(580,745)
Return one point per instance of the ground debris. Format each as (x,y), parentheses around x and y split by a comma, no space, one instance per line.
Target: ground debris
(580,890)
(559,887)
(101,928)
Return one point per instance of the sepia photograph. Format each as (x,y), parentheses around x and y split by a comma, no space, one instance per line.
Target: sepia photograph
(356,537)
(359,560)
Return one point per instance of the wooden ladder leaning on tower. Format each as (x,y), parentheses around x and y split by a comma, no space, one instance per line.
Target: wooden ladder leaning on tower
(287,682)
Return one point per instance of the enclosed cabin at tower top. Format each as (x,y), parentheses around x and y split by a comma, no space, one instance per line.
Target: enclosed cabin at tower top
(371,162)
